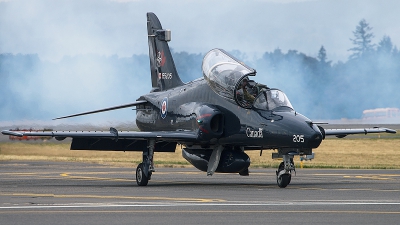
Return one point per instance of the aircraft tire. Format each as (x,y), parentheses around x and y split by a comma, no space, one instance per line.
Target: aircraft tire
(141,178)
(285,179)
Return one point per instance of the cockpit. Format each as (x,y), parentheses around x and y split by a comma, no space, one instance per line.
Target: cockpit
(230,78)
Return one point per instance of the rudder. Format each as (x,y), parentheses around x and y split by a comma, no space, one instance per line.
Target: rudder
(163,71)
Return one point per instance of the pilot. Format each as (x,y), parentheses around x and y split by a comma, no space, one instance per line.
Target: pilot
(247,96)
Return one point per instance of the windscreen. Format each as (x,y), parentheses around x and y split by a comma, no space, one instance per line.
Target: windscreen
(272,99)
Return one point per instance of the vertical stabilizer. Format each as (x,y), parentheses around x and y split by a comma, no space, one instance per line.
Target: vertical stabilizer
(163,71)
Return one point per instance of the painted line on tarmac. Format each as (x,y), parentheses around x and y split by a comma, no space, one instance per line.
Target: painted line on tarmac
(239,204)
(239,211)
(353,175)
(371,177)
(345,189)
(67,175)
(152,198)
(362,176)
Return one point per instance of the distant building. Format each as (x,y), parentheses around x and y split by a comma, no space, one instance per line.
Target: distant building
(384,115)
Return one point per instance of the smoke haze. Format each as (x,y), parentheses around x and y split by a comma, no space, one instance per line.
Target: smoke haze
(53,29)
(69,56)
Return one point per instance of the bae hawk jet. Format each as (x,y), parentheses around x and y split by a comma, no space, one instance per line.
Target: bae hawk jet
(217,118)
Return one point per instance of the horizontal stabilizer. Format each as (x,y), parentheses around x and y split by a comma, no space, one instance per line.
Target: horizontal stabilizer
(106,109)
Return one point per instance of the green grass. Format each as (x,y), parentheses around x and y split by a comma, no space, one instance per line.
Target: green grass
(362,153)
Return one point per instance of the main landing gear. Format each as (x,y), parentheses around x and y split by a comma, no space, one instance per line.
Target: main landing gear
(146,168)
(284,172)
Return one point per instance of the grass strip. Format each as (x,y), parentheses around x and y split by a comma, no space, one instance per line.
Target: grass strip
(333,153)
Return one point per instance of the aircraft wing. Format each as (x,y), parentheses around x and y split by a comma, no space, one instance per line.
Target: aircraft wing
(113,134)
(173,136)
(341,133)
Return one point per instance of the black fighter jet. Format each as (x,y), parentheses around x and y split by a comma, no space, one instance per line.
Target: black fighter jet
(217,118)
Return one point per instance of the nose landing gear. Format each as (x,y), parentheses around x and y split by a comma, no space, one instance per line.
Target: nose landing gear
(284,172)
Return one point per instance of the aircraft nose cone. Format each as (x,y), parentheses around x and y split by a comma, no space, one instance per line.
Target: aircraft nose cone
(315,139)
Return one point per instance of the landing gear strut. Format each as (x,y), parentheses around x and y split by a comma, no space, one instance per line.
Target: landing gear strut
(284,172)
(146,168)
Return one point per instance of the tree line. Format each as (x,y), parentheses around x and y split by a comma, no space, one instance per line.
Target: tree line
(325,90)
(316,87)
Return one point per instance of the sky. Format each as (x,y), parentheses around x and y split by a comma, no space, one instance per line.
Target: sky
(56,30)
(53,29)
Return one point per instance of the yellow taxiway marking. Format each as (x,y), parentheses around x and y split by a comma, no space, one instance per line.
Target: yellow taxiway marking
(20,174)
(93,178)
(347,189)
(104,172)
(155,198)
(180,172)
(370,177)
(364,176)
(346,174)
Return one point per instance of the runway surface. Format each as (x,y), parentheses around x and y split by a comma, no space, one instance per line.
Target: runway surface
(79,193)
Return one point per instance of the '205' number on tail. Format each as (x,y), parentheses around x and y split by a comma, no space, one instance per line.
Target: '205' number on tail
(298,138)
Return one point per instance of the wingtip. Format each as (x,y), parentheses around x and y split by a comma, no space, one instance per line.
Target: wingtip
(12,133)
(391,131)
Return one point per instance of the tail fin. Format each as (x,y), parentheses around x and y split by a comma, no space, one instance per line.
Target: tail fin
(163,71)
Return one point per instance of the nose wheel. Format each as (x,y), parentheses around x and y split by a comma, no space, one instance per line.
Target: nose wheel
(284,180)
(284,172)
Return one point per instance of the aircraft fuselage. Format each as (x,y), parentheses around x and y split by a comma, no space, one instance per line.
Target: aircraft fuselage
(174,109)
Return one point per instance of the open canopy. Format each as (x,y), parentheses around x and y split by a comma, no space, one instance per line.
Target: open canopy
(224,73)
(229,78)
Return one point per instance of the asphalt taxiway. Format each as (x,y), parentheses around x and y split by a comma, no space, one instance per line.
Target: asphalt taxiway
(79,193)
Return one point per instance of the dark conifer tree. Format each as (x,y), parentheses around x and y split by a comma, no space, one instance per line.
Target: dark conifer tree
(362,40)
